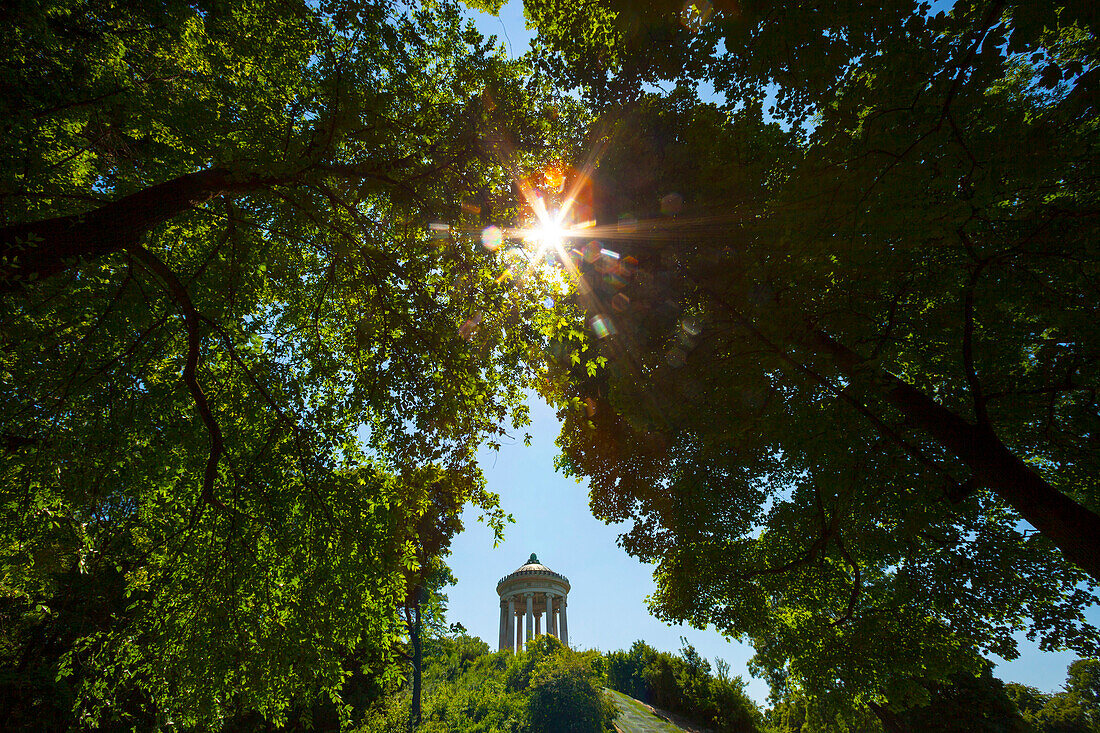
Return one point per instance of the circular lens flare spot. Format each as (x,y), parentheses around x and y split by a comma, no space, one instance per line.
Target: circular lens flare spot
(491,238)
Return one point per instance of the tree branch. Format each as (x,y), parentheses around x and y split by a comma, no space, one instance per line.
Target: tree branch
(1073,528)
(33,251)
(857,584)
(192,318)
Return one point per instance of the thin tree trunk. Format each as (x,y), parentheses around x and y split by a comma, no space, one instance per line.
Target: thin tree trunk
(1074,529)
(37,250)
(417,663)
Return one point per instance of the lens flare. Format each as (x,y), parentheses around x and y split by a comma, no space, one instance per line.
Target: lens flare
(550,235)
(602,326)
(491,238)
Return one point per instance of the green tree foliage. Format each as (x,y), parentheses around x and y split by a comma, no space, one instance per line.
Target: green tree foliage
(566,693)
(836,365)
(242,380)
(964,702)
(683,684)
(1074,710)
(544,689)
(743,492)
(605,48)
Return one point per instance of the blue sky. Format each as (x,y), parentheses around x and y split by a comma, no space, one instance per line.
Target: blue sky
(607,607)
(508,26)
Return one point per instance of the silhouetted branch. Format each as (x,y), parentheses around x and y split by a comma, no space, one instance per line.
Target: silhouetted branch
(192,318)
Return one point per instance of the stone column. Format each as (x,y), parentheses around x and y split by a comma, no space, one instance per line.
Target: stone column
(530,616)
(564,624)
(519,630)
(551,626)
(502,633)
(510,633)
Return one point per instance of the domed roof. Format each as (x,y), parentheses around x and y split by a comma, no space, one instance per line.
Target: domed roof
(533,564)
(532,570)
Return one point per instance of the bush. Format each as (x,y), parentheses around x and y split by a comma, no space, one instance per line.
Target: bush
(624,670)
(565,693)
(684,685)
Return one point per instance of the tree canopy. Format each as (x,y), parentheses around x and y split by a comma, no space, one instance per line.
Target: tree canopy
(839,371)
(251,341)
(839,351)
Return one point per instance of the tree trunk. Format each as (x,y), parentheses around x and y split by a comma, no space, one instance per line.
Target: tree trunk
(1074,529)
(417,663)
(40,249)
